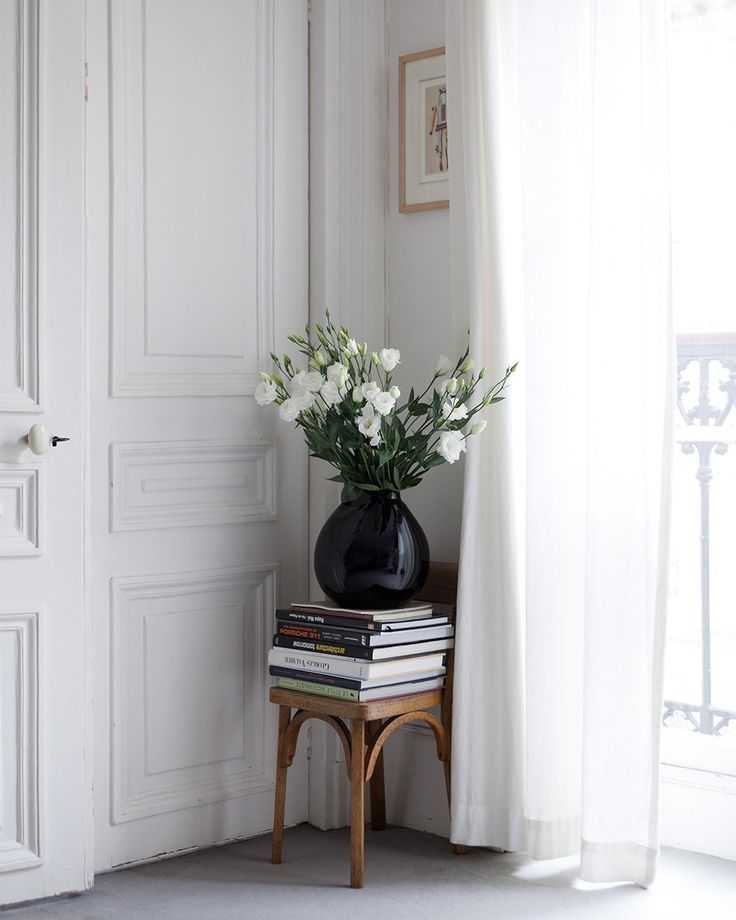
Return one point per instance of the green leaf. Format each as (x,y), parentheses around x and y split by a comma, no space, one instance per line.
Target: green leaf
(434,460)
(349,492)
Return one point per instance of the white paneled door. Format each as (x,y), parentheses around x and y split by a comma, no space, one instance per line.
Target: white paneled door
(45,767)
(197,268)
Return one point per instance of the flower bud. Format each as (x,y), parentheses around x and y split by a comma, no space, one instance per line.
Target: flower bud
(264,377)
(363,349)
(451,386)
(482,373)
(319,359)
(467,365)
(395,391)
(478,427)
(358,395)
(287,361)
(277,380)
(375,359)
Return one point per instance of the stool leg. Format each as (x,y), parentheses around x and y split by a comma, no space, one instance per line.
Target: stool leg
(280,799)
(357,791)
(378,789)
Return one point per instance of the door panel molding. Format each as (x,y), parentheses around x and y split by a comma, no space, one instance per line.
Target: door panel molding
(159,257)
(180,483)
(20,803)
(19,345)
(190,716)
(21,503)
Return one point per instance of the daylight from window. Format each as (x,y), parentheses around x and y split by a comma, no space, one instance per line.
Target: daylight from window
(700,669)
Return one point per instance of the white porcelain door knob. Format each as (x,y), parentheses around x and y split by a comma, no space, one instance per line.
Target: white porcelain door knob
(38,439)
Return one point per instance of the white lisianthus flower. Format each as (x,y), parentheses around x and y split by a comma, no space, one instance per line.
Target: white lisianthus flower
(479,427)
(467,365)
(352,347)
(289,410)
(389,358)
(313,381)
(440,386)
(338,373)
(330,393)
(452,386)
(454,415)
(296,382)
(265,393)
(302,397)
(451,445)
(444,366)
(369,424)
(358,395)
(395,391)
(384,402)
(370,390)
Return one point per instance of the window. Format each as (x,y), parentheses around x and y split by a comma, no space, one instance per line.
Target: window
(699,738)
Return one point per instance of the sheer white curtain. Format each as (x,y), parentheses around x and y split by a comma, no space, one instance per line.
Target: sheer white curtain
(560,249)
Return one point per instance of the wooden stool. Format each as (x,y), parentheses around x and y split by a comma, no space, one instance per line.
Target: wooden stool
(371,725)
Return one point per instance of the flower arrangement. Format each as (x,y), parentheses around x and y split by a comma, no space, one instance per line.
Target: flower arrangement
(350,409)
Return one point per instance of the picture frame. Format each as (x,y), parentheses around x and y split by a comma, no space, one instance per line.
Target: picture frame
(424,182)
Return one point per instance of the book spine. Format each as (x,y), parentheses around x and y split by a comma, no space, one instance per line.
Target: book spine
(319,647)
(328,634)
(331,680)
(299,660)
(310,686)
(325,619)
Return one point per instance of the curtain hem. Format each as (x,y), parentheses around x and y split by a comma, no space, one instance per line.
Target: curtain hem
(617,862)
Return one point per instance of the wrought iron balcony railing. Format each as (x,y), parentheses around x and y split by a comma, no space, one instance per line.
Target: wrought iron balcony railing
(706,396)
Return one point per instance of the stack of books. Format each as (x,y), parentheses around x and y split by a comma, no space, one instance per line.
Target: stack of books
(361,655)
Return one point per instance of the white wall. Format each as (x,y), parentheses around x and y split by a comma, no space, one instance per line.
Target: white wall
(422,325)
(420,320)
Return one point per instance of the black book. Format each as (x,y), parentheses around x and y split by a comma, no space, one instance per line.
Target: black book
(354,683)
(319,618)
(363,638)
(369,654)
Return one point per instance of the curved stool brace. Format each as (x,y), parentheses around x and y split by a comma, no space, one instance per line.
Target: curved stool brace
(390,726)
(301,716)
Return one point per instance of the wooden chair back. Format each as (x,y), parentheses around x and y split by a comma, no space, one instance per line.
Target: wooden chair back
(441,584)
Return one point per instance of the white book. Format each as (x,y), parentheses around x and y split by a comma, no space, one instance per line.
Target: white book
(352,667)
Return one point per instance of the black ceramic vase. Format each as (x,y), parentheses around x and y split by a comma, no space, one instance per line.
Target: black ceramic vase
(371,553)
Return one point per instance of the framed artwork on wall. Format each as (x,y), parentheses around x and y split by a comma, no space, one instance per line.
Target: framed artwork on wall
(423,155)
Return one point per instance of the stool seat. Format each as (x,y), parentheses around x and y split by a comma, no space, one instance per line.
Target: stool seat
(345,709)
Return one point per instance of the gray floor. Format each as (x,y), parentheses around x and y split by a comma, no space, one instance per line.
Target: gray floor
(408,874)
